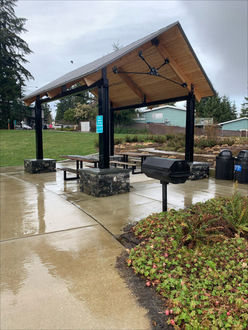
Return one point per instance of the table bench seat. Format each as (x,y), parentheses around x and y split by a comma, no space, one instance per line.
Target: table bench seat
(124,164)
(71,170)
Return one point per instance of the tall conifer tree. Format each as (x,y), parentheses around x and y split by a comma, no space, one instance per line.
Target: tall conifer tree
(244,108)
(12,57)
(216,107)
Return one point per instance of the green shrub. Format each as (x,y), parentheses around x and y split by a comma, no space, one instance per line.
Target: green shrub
(170,137)
(159,138)
(176,143)
(206,142)
(229,141)
(118,141)
(69,129)
(128,139)
(135,138)
(202,222)
(197,259)
(142,138)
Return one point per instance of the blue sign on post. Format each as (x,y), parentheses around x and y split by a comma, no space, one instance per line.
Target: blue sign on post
(99,124)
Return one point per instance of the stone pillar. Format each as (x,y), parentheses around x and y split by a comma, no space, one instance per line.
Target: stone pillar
(104,182)
(34,166)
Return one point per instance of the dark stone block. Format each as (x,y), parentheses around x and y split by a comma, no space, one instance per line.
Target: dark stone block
(39,165)
(104,182)
(199,170)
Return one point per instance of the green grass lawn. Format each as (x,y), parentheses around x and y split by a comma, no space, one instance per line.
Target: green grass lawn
(17,145)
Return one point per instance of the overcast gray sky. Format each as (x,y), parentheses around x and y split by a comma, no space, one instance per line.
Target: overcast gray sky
(82,31)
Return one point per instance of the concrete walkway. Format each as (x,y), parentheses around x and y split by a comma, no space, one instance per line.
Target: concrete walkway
(58,249)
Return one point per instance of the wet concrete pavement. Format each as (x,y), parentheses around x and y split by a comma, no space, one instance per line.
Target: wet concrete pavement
(58,249)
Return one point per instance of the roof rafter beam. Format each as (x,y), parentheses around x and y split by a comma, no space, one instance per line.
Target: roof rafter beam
(70,92)
(163,51)
(133,86)
(147,104)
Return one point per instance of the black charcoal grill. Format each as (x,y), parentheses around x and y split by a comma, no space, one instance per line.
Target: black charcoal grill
(167,171)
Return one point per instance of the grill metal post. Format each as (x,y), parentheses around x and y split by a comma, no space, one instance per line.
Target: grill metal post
(164,196)
(38,129)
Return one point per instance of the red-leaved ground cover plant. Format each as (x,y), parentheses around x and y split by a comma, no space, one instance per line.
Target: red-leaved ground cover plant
(197,258)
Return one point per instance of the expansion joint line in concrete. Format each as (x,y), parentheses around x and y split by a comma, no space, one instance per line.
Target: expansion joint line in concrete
(88,214)
(98,222)
(154,199)
(44,234)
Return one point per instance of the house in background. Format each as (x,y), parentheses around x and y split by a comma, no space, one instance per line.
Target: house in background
(166,114)
(240,124)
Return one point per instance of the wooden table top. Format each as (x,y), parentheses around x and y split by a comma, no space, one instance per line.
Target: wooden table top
(134,154)
(89,159)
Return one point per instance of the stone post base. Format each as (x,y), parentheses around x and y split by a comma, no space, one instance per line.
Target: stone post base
(199,170)
(39,165)
(104,182)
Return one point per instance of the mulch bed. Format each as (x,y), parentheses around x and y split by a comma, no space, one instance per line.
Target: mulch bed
(146,296)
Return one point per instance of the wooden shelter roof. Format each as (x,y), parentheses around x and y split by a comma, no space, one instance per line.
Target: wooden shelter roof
(128,88)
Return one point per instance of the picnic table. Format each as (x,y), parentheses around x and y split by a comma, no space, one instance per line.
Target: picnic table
(137,158)
(140,155)
(79,164)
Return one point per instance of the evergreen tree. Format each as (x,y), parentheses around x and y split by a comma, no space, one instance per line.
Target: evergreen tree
(234,111)
(244,108)
(216,107)
(124,117)
(12,57)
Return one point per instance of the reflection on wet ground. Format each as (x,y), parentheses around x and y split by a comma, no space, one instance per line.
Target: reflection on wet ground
(58,249)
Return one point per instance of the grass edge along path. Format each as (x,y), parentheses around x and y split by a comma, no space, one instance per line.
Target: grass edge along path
(198,259)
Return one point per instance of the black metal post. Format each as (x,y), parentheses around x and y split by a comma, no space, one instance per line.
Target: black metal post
(112,141)
(38,129)
(103,109)
(164,196)
(190,122)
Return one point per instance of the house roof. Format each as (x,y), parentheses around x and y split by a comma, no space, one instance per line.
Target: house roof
(126,89)
(163,107)
(232,121)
